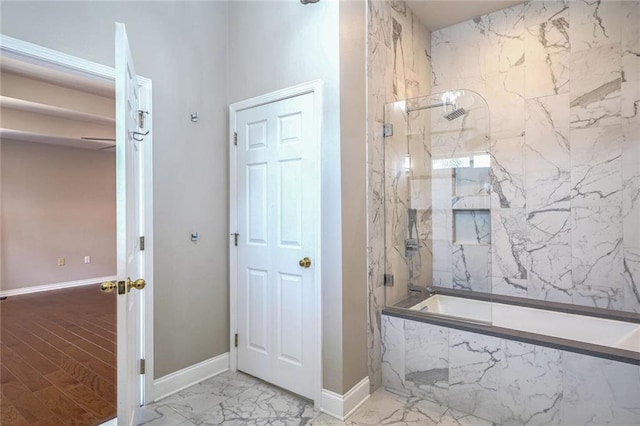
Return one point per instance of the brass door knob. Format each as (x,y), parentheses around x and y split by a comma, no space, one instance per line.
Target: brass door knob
(305,263)
(137,284)
(108,286)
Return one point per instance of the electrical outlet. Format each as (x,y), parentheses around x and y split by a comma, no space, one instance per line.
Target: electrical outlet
(61,261)
(87,259)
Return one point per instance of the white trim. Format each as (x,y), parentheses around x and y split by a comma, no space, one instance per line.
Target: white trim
(147,222)
(182,379)
(54,286)
(32,53)
(233,251)
(342,406)
(315,87)
(36,54)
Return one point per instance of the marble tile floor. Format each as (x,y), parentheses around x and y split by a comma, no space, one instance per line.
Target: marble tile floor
(238,399)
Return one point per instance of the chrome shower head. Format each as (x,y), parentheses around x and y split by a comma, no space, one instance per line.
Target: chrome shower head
(456,113)
(309,1)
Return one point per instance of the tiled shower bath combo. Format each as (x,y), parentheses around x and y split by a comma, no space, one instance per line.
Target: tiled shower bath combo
(510,237)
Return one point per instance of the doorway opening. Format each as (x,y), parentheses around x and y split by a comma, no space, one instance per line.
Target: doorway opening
(59,243)
(67,71)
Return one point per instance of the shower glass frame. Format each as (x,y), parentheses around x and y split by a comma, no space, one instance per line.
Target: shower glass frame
(438,195)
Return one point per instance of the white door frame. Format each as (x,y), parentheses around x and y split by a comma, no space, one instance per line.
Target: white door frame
(314,87)
(50,58)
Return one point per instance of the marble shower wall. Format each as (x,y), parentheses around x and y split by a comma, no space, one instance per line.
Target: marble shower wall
(398,67)
(562,80)
(504,381)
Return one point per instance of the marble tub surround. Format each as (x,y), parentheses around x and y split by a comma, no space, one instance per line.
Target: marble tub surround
(591,331)
(505,381)
(562,82)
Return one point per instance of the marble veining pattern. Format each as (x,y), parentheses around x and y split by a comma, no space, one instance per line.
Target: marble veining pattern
(565,140)
(539,11)
(243,400)
(596,240)
(562,80)
(594,23)
(630,44)
(547,155)
(398,67)
(470,267)
(596,167)
(595,87)
(631,270)
(599,392)
(393,341)
(530,384)
(426,376)
(547,53)
(631,184)
(474,373)
(514,383)
(507,173)
(509,256)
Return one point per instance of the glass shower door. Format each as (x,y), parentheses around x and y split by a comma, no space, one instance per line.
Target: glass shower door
(438,196)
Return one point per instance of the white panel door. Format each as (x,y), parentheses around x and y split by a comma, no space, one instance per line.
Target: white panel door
(129,256)
(276,213)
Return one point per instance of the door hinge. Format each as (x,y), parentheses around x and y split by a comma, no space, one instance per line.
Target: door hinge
(387,130)
(235,239)
(143,366)
(141,118)
(388,280)
(236,340)
(235,138)
(141,243)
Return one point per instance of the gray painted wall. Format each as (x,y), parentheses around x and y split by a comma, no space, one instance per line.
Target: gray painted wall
(56,202)
(353,165)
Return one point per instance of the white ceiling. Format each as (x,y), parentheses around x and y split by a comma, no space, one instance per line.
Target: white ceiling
(437,14)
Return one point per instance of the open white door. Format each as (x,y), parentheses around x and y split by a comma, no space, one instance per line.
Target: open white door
(130,266)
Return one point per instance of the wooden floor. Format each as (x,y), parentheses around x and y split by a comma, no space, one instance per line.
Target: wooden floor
(58,358)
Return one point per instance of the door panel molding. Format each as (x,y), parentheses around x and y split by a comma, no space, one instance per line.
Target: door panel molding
(287,133)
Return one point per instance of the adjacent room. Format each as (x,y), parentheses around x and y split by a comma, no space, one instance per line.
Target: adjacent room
(58,244)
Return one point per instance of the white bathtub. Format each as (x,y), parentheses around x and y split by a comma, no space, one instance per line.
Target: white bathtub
(593,330)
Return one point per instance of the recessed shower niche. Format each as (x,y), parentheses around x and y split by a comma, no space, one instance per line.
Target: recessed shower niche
(438,193)
(472,227)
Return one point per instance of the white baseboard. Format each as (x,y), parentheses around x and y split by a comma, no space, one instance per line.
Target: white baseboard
(55,286)
(182,379)
(342,406)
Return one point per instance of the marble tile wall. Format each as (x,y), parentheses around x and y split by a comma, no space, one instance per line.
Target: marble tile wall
(504,381)
(398,68)
(562,80)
